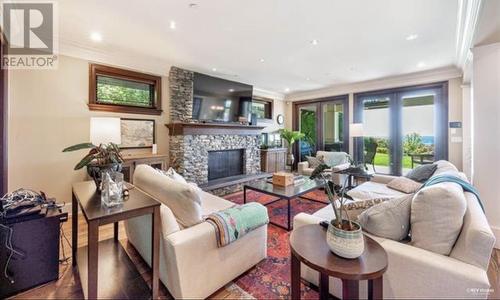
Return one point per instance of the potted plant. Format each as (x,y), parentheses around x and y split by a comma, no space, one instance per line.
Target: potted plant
(344,236)
(99,159)
(290,137)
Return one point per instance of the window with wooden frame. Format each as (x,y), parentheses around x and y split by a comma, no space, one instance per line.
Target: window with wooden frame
(117,90)
(263,108)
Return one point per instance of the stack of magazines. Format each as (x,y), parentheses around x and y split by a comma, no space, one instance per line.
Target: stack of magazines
(298,179)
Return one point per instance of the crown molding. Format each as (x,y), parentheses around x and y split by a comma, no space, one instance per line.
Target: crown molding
(268,94)
(382,83)
(467,19)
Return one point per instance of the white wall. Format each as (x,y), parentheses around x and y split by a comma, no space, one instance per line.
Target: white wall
(486,131)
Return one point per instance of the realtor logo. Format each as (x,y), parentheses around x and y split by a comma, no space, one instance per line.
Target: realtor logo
(30,31)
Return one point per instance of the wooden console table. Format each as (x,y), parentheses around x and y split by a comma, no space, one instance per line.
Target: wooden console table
(120,278)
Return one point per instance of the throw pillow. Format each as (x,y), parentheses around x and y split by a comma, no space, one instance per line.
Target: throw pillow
(314,162)
(172,174)
(355,208)
(422,173)
(437,214)
(390,219)
(184,200)
(405,185)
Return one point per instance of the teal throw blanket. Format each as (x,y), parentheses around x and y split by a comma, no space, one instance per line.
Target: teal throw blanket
(234,222)
(467,187)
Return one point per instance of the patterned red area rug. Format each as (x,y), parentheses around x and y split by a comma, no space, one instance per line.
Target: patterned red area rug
(270,279)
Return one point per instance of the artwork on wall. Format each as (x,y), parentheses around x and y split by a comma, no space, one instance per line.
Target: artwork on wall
(137,133)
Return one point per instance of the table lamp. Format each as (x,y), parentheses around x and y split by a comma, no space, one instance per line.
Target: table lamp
(105,130)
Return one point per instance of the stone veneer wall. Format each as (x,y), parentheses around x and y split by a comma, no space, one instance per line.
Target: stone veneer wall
(181,94)
(189,153)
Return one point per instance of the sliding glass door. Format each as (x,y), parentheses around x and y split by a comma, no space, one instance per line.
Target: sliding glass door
(324,125)
(403,128)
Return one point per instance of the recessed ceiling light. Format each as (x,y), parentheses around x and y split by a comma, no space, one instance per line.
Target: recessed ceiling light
(231,90)
(412,37)
(214,69)
(96,36)
(314,42)
(173,25)
(262,60)
(421,64)
(308,78)
(287,90)
(193,5)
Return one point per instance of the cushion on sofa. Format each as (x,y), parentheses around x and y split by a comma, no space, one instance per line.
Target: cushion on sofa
(373,190)
(405,185)
(172,174)
(422,173)
(314,162)
(183,199)
(355,208)
(390,219)
(437,214)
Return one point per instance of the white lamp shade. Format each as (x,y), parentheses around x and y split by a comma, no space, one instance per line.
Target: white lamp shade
(356,129)
(105,131)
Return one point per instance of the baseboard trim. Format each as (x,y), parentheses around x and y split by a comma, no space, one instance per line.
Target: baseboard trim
(496,233)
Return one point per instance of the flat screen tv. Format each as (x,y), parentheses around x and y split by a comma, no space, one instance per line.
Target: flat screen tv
(220,100)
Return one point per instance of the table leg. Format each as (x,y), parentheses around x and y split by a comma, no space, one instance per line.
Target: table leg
(324,291)
(74,229)
(92,259)
(115,231)
(289,227)
(350,289)
(375,288)
(244,194)
(295,277)
(155,254)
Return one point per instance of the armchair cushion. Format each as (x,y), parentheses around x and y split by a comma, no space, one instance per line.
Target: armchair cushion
(314,162)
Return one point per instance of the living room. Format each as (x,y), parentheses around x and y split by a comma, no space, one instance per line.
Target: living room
(250,150)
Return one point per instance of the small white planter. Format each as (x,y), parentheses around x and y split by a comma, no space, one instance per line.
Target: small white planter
(346,244)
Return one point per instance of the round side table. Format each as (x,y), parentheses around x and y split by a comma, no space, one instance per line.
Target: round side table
(308,245)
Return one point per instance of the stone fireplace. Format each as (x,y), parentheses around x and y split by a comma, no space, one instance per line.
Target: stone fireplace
(207,153)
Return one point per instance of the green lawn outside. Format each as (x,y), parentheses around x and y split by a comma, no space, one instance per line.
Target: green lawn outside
(382,159)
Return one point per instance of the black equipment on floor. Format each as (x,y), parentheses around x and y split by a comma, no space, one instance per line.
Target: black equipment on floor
(29,245)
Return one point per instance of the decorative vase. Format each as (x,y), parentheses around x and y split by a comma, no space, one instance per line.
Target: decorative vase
(94,170)
(345,243)
(290,159)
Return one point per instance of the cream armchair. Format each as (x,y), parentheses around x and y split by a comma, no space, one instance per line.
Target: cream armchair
(338,160)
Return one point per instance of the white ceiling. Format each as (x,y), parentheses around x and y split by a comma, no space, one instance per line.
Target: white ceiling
(358,40)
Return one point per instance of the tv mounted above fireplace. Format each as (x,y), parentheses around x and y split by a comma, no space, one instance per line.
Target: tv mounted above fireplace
(220,100)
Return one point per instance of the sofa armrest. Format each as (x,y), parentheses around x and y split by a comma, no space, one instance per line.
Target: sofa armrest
(414,269)
(385,179)
(341,167)
(302,219)
(301,166)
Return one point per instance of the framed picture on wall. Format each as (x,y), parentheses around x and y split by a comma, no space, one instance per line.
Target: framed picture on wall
(137,133)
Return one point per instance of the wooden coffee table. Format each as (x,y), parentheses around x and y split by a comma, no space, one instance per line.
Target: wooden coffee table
(308,245)
(284,193)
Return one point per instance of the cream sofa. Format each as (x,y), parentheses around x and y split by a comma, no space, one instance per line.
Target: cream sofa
(418,273)
(191,264)
(338,160)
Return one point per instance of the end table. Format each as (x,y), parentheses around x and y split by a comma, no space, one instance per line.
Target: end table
(121,280)
(308,245)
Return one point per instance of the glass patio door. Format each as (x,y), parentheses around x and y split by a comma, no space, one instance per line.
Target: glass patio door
(308,125)
(403,128)
(332,126)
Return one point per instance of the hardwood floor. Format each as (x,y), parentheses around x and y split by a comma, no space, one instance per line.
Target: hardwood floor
(68,286)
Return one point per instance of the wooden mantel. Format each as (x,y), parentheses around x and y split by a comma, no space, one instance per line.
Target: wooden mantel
(212,129)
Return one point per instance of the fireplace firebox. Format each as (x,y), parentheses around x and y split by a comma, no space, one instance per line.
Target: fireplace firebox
(226,163)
